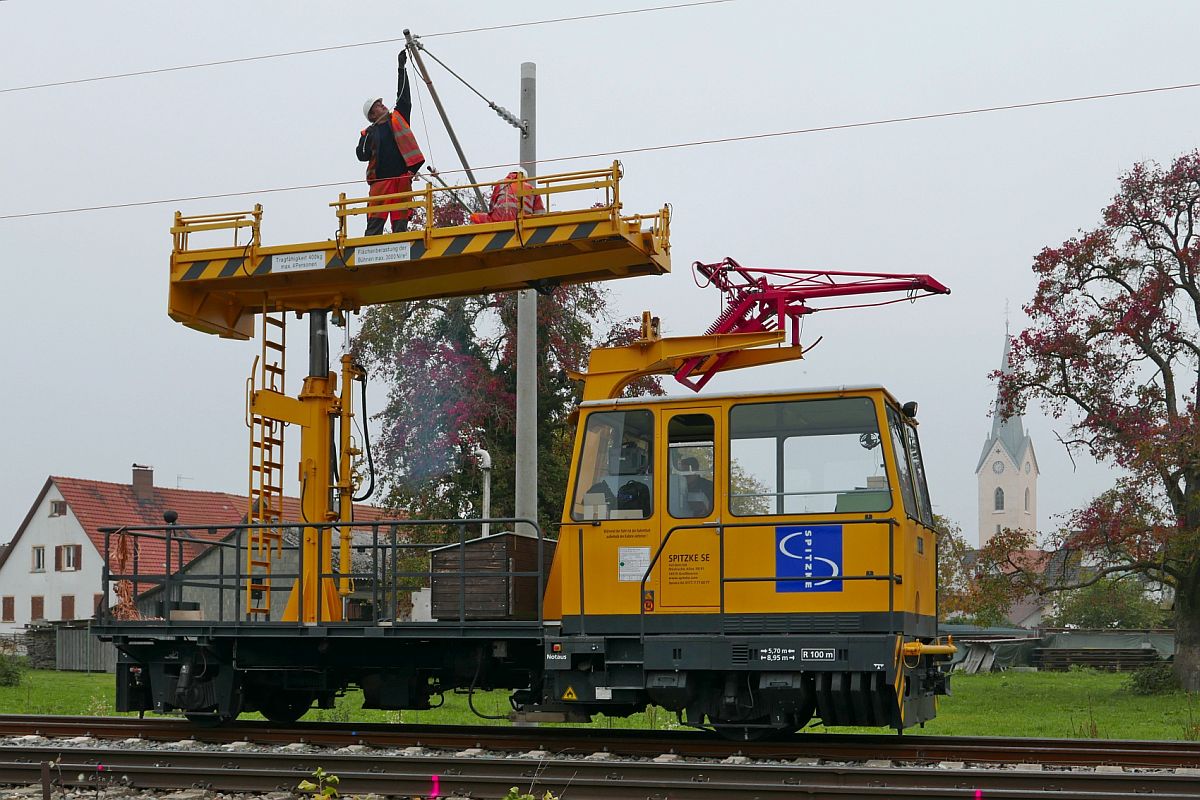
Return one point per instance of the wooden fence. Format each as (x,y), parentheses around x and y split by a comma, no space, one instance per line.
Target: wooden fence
(76,649)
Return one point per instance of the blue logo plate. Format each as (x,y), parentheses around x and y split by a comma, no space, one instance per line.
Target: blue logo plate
(809,554)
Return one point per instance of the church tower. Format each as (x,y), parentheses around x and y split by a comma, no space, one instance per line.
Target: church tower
(1007,473)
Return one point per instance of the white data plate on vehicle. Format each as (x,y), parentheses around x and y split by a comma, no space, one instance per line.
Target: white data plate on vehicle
(298,262)
(632,563)
(383,253)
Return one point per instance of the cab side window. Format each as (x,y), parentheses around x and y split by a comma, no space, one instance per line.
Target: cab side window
(615,478)
(690,481)
(924,507)
(903,468)
(910,468)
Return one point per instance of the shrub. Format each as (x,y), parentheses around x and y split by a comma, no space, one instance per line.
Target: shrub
(516,794)
(1156,679)
(11,670)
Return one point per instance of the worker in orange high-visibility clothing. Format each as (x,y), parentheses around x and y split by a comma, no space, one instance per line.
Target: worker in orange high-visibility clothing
(392,153)
(505,201)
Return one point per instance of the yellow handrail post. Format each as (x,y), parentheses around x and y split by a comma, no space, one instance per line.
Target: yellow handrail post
(616,191)
(256,231)
(429,215)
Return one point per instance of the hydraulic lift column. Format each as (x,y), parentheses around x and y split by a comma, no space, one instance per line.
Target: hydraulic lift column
(314,598)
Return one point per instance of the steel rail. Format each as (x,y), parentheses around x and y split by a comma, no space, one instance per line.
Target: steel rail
(453,774)
(633,742)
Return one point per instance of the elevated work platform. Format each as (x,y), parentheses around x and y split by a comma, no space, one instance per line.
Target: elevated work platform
(220,289)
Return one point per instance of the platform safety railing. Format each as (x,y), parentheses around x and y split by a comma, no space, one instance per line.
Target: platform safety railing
(234,221)
(552,189)
(172,568)
(720,529)
(543,186)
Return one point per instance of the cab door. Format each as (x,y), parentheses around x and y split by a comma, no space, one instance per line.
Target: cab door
(611,532)
(692,455)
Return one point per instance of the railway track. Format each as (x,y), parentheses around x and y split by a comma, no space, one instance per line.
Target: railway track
(917,749)
(415,775)
(586,764)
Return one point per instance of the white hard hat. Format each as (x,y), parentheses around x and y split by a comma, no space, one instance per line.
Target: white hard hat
(367,106)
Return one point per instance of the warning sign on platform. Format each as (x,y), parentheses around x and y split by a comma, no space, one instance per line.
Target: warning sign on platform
(569,694)
(297,262)
(383,253)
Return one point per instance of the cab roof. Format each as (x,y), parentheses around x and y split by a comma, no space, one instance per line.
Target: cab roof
(678,398)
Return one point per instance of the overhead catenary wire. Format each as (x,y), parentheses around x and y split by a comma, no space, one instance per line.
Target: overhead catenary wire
(351,45)
(644,149)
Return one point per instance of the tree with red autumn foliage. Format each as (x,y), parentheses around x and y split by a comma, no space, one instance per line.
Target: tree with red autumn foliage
(450,368)
(1114,349)
(968,591)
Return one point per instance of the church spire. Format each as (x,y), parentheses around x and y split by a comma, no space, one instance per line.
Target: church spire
(1008,432)
(1011,430)
(1007,471)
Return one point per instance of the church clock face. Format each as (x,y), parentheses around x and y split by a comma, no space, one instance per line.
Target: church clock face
(997,467)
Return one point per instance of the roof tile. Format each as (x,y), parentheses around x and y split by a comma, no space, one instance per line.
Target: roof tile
(99,504)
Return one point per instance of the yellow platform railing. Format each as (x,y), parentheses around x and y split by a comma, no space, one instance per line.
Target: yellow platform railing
(550,188)
(544,186)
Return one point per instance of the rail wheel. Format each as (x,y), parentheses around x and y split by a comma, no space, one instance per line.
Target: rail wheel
(284,706)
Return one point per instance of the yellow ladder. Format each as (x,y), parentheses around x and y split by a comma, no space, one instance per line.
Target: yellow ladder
(266,469)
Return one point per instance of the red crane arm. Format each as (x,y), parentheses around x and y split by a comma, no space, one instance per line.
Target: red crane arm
(760,300)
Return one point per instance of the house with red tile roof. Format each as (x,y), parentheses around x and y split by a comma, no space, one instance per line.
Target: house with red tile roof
(52,568)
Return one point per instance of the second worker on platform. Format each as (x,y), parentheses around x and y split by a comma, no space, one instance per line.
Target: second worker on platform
(391,152)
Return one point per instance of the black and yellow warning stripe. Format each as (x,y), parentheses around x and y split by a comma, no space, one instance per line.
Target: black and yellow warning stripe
(463,244)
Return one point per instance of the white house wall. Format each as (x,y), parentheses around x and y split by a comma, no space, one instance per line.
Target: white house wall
(19,581)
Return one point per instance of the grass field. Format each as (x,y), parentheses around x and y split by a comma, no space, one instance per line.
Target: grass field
(1080,704)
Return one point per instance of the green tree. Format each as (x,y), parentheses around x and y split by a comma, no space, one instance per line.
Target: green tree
(1113,602)
(973,585)
(954,560)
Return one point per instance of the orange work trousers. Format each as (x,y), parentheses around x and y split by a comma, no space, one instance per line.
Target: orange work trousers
(390,186)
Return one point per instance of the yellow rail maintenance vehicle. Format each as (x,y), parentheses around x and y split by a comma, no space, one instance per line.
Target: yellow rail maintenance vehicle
(750,561)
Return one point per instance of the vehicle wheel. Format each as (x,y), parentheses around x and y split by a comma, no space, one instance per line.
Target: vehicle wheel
(284,707)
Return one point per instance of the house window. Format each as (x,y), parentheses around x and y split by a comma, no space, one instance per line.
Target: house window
(999,499)
(67,557)
(1027,499)
(58,508)
(8,611)
(997,530)
(39,559)
(67,607)
(37,608)
(97,601)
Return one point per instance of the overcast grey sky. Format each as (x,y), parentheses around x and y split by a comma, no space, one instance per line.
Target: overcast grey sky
(99,377)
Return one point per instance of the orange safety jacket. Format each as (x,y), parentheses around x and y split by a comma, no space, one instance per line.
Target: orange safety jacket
(505,200)
(406,143)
